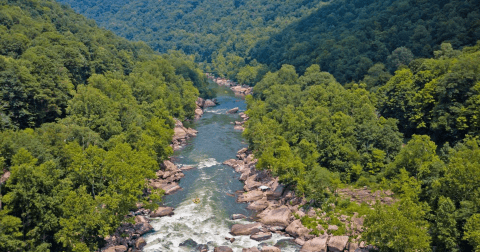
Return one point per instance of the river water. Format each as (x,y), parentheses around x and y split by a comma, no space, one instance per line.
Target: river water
(208,222)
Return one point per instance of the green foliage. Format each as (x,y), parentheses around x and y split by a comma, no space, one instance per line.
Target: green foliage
(472,231)
(86,117)
(323,124)
(401,227)
(345,37)
(438,97)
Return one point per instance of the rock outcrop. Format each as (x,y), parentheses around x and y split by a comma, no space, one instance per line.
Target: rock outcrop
(276,217)
(318,244)
(296,229)
(181,135)
(337,243)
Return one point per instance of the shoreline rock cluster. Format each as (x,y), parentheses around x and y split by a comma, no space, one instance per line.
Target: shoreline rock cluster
(277,206)
(128,237)
(239,125)
(235,87)
(201,104)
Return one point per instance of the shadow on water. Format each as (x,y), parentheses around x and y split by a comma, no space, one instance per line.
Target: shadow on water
(207,222)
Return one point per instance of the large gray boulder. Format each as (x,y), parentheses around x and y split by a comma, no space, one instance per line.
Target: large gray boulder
(262,236)
(258,205)
(140,243)
(232,111)
(162,211)
(245,229)
(337,243)
(250,196)
(318,244)
(296,229)
(276,217)
(209,103)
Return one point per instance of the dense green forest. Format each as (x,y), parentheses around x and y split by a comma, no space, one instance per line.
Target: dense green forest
(85,118)
(315,135)
(382,94)
(243,39)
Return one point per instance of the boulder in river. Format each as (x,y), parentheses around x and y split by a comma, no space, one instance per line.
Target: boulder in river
(169,166)
(250,196)
(238,216)
(270,249)
(171,188)
(276,217)
(222,249)
(262,236)
(162,211)
(245,229)
(232,111)
(140,243)
(258,205)
(200,102)
(189,243)
(209,103)
(143,228)
(254,249)
(318,244)
(239,128)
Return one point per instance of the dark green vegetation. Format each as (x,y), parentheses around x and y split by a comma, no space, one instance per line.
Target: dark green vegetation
(406,119)
(86,117)
(345,37)
(317,135)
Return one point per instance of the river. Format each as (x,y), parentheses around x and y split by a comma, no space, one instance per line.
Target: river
(208,222)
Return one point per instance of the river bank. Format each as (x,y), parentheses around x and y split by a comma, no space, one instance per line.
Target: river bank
(235,87)
(128,237)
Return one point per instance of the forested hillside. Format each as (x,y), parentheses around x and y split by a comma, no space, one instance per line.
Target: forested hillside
(315,135)
(345,37)
(85,118)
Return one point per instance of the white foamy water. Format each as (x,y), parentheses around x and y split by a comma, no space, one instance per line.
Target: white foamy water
(217,111)
(204,223)
(207,163)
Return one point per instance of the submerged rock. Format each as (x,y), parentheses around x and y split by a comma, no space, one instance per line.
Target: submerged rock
(222,249)
(238,216)
(189,243)
(254,249)
(270,249)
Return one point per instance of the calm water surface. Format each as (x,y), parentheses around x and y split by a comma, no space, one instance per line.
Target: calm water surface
(209,221)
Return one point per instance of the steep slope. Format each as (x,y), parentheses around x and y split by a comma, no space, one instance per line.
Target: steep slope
(196,26)
(345,37)
(85,118)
